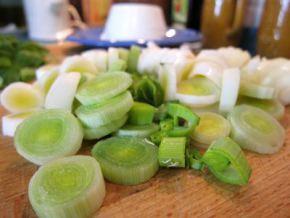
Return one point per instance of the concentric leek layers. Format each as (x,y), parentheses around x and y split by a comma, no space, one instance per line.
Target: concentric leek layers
(103,87)
(96,115)
(70,187)
(48,135)
(97,133)
(211,127)
(126,160)
(227,162)
(256,130)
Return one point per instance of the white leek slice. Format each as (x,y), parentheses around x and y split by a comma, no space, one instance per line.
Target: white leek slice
(212,56)
(113,57)
(98,57)
(68,187)
(20,97)
(62,91)
(208,69)
(47,79)
(256,130)
(79,64)
(197,92)
(256,91)
(149,60)
(230,89)
(168,80)
(48,135)
(235,57)
(11,121)
(44,69)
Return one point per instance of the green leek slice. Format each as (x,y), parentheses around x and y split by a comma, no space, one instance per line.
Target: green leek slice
(210,128)
(172,152)
(103,87)
(256,130)
(20,97)
(133,58)
(141,113)
(273,107)
(69,187)
(97,133)
(96,115)
(256,91)
(142,131)
(127,160)
(227,162)
(48,135)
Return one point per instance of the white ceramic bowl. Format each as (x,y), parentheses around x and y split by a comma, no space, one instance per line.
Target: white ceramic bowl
(133,21)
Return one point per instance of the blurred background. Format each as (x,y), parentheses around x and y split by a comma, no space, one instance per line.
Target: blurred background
(259,26)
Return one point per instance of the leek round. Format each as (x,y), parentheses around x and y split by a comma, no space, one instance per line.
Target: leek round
(48,135)
(62,92)
(256,130)
(69,187)
(127,160)
(98,57)
(20,97)
(96,115)
(103,87)
(77,63)
(256,91)
(211,127)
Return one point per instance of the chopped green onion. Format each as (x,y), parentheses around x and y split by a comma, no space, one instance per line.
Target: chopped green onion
(48,135)
(141,114)
(67,187)
(142,131)
(227,162)
(172,152)
(103,87)
(127,160)
(256,130)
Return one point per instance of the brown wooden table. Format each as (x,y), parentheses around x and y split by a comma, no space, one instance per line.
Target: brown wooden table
(171,193)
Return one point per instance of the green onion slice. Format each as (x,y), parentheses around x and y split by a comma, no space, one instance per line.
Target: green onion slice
(141,114)
(127,160)
(97,133)
(103,87)
(256,130)
(172,152)
(48,135)
(96,115)
(211,127)
(227,162)
(67,187)
(142,131)
(273,107)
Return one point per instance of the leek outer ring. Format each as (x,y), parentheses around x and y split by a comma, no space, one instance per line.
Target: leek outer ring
(117,167)
(95,91)
(97,133)
(142,131)
(82,204)
(94,116)
(252,138)
(66,144)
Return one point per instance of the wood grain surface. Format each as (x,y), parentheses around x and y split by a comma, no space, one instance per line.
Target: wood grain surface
(171,193)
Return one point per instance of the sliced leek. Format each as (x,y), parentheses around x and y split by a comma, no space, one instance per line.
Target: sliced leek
(70,187)
(172,152)
(103,87)
(141,113)
(133,58)
(210,128)
(168,80)
(98,57)
(127,160)
(11,121)
(79,64)
(21,97)
(142,131)
(113,57)
(97,133)
(197,92)
(44,69)
(96,115)
(256,130)
(48,135)
(273,107)
(47,79)
(62,92)
(256,91)
(230,89)
(227,162)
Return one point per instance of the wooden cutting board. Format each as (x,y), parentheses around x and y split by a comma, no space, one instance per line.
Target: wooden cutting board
(171,193)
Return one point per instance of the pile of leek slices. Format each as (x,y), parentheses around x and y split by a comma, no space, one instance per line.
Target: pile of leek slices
(215,104)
